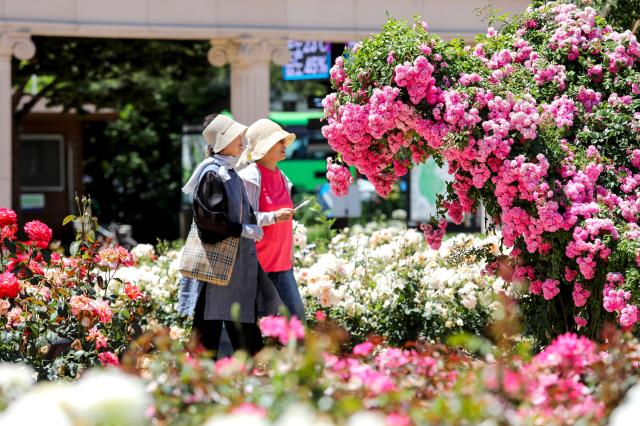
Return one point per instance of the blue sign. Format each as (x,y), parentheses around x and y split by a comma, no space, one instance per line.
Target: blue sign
(310,60)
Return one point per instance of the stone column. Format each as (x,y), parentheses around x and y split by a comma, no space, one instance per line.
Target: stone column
(16,44)
(250,59)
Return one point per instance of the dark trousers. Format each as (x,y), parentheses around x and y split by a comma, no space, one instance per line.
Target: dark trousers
(242,335)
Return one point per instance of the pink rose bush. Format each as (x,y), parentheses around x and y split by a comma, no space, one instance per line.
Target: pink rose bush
(58,313)
(281,328)
(339,178)
(544,133)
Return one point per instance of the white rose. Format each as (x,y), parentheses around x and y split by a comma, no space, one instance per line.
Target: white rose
(236,420)
(628,412)
(42,405)
(15,379)
(366,418)
(109,397)
(469,302)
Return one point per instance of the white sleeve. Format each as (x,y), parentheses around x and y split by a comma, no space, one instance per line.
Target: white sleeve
(266,218)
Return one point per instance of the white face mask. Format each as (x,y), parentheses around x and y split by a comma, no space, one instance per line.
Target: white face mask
(228,161)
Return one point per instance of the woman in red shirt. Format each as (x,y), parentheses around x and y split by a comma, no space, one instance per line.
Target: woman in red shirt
(269,192)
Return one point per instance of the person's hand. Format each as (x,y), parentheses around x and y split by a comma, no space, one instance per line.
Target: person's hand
(253,232)
(283,215)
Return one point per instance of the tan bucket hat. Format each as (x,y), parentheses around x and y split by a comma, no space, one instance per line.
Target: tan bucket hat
(222,131)
(261,137)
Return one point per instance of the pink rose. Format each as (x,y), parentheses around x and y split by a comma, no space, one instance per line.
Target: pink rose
(281,328)
(397,419)
(4,306)
(108,358)
(38,233)
(363,349)
(249,408)
(580,322)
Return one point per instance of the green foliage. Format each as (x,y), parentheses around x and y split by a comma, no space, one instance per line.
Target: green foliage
(155,87)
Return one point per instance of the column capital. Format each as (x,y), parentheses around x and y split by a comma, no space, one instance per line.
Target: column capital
(18,44)
(247,50)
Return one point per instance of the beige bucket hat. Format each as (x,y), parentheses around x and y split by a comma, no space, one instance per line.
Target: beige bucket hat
(222,131)
(261,137)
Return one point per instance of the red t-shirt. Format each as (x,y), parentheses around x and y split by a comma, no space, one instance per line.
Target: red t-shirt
(276,246)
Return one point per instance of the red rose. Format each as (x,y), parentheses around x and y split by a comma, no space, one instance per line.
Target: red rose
(38,233)
(7,217)
(8,231)
(9,285)
(108,358)
(36,268)
(132,291)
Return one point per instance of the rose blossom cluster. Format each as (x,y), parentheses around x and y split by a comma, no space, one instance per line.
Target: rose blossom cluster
(433,234)
(282,328)
(41,291)
(8,223)
(28,260)
(339,178)
(114,257)
(87,310)
(378,136)
(553,383)
(379,371)
(527,155)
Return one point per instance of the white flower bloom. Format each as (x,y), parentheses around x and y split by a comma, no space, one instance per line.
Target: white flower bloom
(236,420)
(366,418)
(15,379)
(44,405)
(301,415)
(628,412)
(469,302)
(143,252)
(109,397)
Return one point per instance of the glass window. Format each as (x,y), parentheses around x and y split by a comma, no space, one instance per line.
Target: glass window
(42,165)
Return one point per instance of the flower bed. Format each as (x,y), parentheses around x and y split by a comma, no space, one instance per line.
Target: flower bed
(57,314)
(307,382)
(389,283)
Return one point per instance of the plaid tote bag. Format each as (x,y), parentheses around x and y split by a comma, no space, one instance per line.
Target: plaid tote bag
(211,263)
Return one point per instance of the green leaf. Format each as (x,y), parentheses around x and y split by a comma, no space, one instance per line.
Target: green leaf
(75,246)
(68,219)
(10,245)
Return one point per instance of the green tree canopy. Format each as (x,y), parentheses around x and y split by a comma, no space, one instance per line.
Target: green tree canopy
(133,164)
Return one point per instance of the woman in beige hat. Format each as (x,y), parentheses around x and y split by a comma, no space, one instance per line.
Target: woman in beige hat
(221,209)
(269,192)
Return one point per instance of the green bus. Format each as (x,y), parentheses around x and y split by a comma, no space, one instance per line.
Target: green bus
(306,164)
